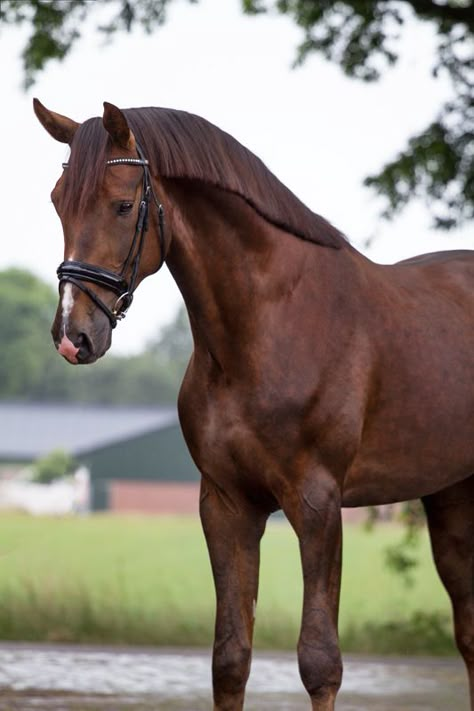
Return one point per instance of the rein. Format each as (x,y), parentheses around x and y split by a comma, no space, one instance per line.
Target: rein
(76,273)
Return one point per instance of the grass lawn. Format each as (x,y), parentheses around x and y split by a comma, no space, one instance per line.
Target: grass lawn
(148,581)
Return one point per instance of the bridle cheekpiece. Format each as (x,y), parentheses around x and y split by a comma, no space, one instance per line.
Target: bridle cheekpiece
(76,273)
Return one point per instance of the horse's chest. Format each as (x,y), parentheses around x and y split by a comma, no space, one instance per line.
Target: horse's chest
(231,439)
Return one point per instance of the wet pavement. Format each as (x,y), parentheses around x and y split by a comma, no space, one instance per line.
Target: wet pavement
(70,678)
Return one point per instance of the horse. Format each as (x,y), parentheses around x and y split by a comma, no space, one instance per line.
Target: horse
(318,380)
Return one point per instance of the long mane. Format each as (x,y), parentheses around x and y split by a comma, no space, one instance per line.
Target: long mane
(181,145)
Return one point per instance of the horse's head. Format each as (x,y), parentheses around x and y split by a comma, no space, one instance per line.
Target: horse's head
(113,229)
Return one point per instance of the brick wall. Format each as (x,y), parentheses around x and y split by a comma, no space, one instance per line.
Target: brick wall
(153,497)
(150,497)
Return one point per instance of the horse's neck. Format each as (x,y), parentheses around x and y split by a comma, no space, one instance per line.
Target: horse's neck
(233,268)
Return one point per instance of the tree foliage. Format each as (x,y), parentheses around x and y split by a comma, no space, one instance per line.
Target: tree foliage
(402,557)
(52,466)
(25,321)
(30,369)
(55,25)
(362,37)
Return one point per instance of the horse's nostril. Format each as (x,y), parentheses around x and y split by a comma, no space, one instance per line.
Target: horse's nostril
(85,347)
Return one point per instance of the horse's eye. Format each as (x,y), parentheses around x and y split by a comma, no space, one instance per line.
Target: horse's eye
(125,208)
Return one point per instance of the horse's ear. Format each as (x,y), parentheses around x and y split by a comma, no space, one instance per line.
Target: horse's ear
(117,127)
(60,127)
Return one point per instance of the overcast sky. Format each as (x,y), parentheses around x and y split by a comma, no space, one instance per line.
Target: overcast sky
(318,131)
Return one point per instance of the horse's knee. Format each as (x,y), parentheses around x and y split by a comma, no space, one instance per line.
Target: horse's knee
(320,668)
(231,667)
(465,642)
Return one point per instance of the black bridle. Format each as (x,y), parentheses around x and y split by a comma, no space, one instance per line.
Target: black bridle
(76,273)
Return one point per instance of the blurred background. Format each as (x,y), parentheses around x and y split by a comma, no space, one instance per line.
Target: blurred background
(365,111)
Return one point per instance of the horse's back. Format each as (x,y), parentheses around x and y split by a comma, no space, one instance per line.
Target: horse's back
(449,256)
(446,274)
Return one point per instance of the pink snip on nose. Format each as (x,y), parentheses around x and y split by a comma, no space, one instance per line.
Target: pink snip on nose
(68,350)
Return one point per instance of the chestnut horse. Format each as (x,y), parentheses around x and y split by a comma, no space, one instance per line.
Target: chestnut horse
(318,378)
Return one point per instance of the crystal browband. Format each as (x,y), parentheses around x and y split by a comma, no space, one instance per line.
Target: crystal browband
(121,161)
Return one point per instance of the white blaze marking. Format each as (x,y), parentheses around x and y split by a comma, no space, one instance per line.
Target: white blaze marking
(68,299)
(67,303)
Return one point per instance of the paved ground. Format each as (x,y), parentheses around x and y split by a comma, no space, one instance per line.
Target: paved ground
(76,678)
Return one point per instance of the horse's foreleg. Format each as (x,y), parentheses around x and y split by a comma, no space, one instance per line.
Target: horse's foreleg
(233,530)
(314,512)
(450,516)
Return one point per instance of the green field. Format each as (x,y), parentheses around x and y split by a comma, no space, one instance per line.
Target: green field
(138,580)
